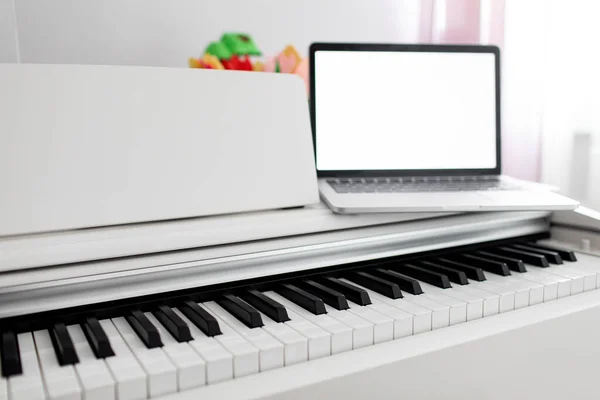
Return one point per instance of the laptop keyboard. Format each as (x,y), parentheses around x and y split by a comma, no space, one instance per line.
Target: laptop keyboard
(419,184)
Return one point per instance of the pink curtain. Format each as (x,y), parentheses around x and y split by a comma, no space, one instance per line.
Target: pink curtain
(460,21)
(450,21)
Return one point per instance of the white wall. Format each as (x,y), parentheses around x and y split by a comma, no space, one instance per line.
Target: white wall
(8,43)
(167,32)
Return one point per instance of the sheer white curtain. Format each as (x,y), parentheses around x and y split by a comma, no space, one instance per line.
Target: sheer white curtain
(550,83)
(552,87)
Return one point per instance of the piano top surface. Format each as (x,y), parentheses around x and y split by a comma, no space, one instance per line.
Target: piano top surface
(82,245)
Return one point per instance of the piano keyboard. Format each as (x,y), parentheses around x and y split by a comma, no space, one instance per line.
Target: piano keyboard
(150,348)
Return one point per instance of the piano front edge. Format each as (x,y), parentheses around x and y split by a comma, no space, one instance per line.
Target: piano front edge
(548,351)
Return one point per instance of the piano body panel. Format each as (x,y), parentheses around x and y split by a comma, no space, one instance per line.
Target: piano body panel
(56,287)
(578,229)
(547,351)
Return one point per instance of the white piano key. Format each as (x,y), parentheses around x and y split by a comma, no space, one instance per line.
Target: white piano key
(271,351)
(563,284)
(476,300)
(383,326)
(131,380)
(590,278)
(319,340)
(109,329)
(493,296)
(550,286)
(585,260)
(403,321)
(247,356)
(94,375)
(586,263)
(130,377)
(60,381)
(295,345)
(219,362)
(42,341)
(26,343)
(362,330)
(191,369)
(341,334)
(3,384)
(162,374)
(495,300)
(535,291)
(440,313)
(510,297)
(538,292)
(421,316)
(29,385)
(457,308)
(578,278)
(3,387)
(473,305)
(77,335)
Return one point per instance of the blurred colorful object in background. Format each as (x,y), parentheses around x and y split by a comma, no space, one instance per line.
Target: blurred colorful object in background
(208,62)
(233,52)
(287,61)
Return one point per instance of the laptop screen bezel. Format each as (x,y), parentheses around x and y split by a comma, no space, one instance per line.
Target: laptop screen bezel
(315,47)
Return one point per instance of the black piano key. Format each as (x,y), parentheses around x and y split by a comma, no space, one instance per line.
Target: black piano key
(332,297)
(174,324)
(144,329)
(407,284)
(495,267)
(472,272)
(454,275)
(422,274)
(376,284)
(244,312)
(514,264)
(266,305)
(9,355)
(353,293)
(97,338)
(63,345)
(301,297)
(528,257)
(566,255)
(552,256)
(201,318)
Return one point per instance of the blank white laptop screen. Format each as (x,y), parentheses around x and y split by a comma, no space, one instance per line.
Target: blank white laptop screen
(404,110)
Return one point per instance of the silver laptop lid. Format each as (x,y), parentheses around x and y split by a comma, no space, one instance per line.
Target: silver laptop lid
(405,110)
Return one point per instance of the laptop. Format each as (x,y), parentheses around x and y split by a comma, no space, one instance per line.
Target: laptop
(413,128)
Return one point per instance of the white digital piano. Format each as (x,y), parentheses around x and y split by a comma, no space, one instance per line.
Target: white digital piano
(161,237)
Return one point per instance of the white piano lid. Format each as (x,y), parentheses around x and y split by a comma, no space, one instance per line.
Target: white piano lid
(87,146)
(581,217)
(83,245)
